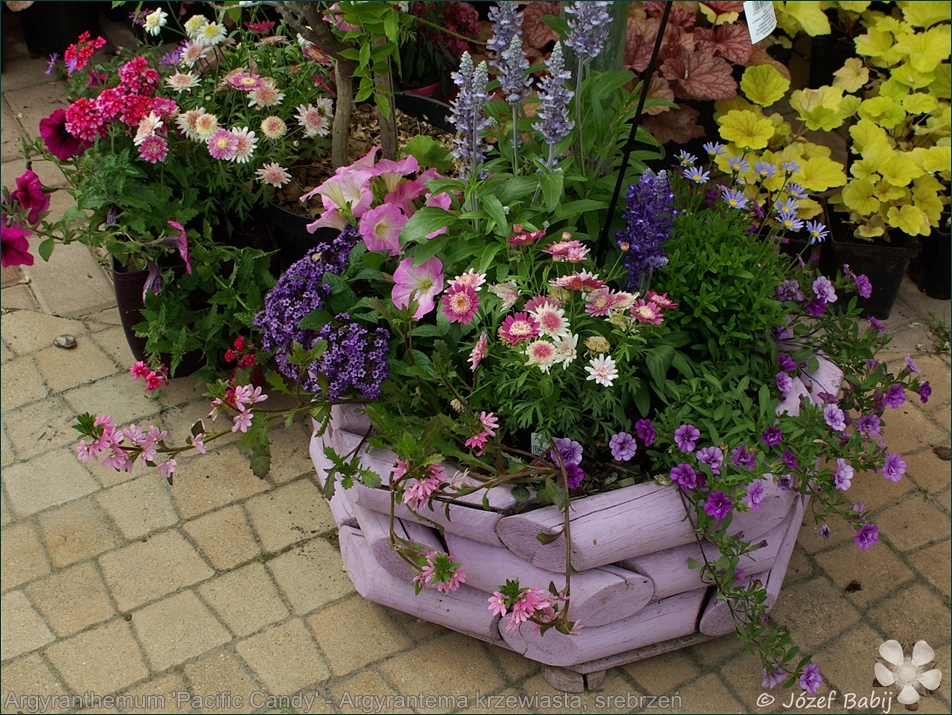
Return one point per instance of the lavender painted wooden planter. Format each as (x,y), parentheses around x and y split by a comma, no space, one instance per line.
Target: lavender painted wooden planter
(634,592)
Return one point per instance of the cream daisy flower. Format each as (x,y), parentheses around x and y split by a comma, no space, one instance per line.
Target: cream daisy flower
(155,21)
(273,127)
(206,125)
(194,25)
(212,34)
(246,144)
(181,81)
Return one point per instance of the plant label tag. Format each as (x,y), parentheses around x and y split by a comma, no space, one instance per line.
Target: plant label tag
(536,445)
(761,19)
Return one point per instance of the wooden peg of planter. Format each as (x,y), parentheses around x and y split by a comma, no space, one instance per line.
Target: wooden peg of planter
(663,620)
(465,610)
(569,681)
(376,531)
(716,619)
(599,596)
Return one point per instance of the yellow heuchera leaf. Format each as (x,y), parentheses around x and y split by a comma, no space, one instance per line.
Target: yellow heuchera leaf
(716,19)
(857,6)
(886,112)
(926,49)
(764,84)
(938,123)
(866,132)
(818,108)
(886,192)
(911,77)
(941,86)
(933,160)
(875,43)
(746,129)
(723,106)
(925,195)
(919,103)
(848,106)
(871,229)
(899,170)
(894,89)
(808,208)
(878,153)
(820,173)
(859,196)
(926,14)
(810,16)
(863,169)
(852,76)
(908,219)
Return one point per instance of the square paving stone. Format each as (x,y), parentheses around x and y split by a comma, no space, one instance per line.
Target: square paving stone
(72,283)
(176,629)
(913,523)
(934,564)
(356,694)
(221,672)
(310,576)
(72,599)
(290,455)
(354,633)
(908,430)
(707,694)
(284,658)
(48,480)
(102,660)
(112,341)
(864,576)
(927,470)
(875,492)
(815,611)
(119,396)
(662,674)
(158,695)
(224,536)
(292,513)
(211,481)
(23,629)
(913,614)
(22,383)
(29,331)
(847,663)
(25,682)
(143,572)
(245,599)
(21,556)
(140,506)
(76,531)
(63,369)
(41,427)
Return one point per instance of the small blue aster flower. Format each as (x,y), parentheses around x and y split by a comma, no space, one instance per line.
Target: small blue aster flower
(714,148)
(735,199)
(791,167)
(687,159)
(788,219)
(817,231)
(738,164)
(764,169)
(696,174)
(790,206)
(52,64)
(795,190)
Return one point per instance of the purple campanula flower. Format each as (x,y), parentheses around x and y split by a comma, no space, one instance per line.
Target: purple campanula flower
(825,531)
(811,680)
(623,446)
(755,495)
(925,389)
(589,23)
(772,678)
(868,425)
(713,457)
(911,364)
(866,536)
(740,457)
(824,289)
(718,505)
(740,576)
(786,363)
(784,383)
(685,437)
(816,307)
(895,396)
(842,475)
(863,287)
(894,467)
(684,476)
(835,417)
(785,482)
(772,436)
(827,398)
(645,431)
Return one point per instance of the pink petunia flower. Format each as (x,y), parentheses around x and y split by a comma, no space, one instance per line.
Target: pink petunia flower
(14,246)
(380,228)
(29,195)
(419,283)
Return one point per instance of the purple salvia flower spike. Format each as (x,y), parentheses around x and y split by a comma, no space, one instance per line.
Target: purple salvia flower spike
(554,111)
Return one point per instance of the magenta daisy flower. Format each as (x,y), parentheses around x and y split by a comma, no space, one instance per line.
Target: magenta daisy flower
(154,149)
(460,303)
(223,145)
(518,327)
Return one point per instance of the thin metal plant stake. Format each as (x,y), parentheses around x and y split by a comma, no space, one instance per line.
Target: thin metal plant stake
(629,146)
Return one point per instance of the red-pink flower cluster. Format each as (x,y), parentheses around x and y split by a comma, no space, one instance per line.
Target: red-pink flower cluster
(118,449)
(516,611)
(154,379)
(76,56)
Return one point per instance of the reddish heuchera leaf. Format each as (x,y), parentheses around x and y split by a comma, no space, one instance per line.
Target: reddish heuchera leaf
(759,56)
(659,88)
(536,33)
(732,42)
(680,16)
(677,125)
(725,8)
(699,76)
(639,41)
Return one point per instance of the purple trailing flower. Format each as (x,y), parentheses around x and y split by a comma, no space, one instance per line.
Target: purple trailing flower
(859,508)
(866,536)
(825,531)
(718,505)
(789,290)
(877,325)
(713,457)
(684,476)
(685,437)
(772,678)
(842,475)
(895,396)
(568,449)
(740,457)
(786,363)
(868,425)
(790,459)
(911,364)
(894,467)
(824,289)
(925,389)
(785,482)
(772,436)
(553,112)
(755,495)
(863,287)
(645,431)
(574,475)
(784,383)
(649,220)
(834,417)
(623,446)
(588,27)
(468,115)
(811,680)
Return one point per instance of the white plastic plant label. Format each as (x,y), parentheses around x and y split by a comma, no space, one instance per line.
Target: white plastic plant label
(536,445)
(761,19)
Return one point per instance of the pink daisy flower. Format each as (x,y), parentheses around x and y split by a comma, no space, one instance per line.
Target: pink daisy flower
(460,304)
(315,122)
(246,144)
(602,370)
(245,81)
(154,149)
(662,301)
(223,145)
(550,317)
(192,52)
(566,348)
(647,312)
(479,352)
(522,237)
(266,95)
(470,279)
(518,327)
(600,302)
(541,353)
(507,292)
(181,81)
(274,175)
(579,281)
(569,251)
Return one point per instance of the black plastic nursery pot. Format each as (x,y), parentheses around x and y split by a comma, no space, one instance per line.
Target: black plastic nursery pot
(51,27)
(291,236)
(931,269)
(884,265)
(827,55)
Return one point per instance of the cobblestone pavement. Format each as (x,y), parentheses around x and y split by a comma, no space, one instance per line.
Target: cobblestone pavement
(230,590)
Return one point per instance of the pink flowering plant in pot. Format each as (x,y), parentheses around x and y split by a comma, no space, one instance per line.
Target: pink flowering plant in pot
(493,344)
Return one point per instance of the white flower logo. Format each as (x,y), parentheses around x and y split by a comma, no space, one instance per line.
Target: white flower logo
(908,674)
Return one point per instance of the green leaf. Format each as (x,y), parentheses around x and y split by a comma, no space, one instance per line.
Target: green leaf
(546,539)
(552,183)
(557,24)
(45,249)
(426,220)
(493,207)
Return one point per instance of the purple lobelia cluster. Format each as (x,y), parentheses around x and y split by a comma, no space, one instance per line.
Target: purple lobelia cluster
(649,220)
(469,117)
(354,358)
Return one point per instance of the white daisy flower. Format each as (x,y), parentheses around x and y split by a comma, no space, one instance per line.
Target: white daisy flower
(147,127)
(194,25)
(155,21)
(602,370)
(273,174)
(192,52)
(181,81)
(212,34)
(246,144)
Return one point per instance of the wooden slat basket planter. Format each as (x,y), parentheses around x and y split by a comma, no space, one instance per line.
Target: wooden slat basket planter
(634,595)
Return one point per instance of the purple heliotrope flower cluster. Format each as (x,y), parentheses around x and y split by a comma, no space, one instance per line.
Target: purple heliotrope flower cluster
(354,357)
(649,219)
(589,24)
(554,109)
